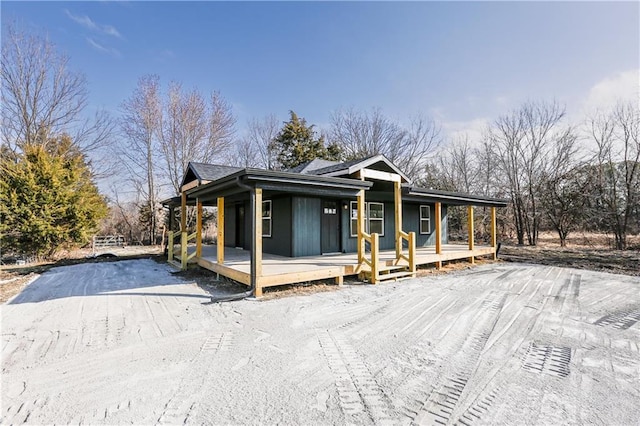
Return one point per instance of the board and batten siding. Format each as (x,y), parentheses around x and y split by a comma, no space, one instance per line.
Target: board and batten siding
(306,226)
(230,225)
(280,241)
(410,223)
(387,242)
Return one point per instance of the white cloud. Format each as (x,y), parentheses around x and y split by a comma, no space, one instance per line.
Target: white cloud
(97,46)
(622,86)
(88,23)
(473,129)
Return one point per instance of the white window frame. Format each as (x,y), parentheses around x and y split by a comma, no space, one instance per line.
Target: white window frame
(425,219)
(353,221)
(371,219)
(267,218)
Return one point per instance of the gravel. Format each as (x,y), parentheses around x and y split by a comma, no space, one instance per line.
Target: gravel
(130,342)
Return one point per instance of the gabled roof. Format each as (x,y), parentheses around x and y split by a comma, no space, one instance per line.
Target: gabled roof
(379,162)
(203,172)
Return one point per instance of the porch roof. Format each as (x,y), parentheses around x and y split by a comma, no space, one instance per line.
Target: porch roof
(452,198)
(245,179)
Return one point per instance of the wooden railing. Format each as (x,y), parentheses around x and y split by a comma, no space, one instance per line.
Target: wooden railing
(183,256)
(373,263)
(411,243)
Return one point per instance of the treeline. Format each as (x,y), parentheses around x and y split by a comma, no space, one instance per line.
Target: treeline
(556,175)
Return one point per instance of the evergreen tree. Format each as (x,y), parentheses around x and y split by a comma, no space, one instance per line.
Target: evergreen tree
(48,199)
(296,143)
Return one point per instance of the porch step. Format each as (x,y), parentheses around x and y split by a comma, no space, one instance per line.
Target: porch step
(383,269)
(390,273)
(395,276)
(175,264)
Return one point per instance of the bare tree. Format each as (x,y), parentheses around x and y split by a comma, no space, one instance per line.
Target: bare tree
(361,134)
(562,186)
(617,167)
(42,98)
(522,139)
(141,123)
(184,132)
(421,140)
(193,130)
(221,127)
(254,149)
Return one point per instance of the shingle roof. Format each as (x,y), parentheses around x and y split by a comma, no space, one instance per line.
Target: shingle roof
(339,166)
(204,171)
(352,166)
(312,165)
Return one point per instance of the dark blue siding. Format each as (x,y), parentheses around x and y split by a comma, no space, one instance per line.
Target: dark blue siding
(306,226)
(387,242)
(411,223)
(230,225)
(280,240)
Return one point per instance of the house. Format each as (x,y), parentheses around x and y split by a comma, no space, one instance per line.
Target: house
(320,220)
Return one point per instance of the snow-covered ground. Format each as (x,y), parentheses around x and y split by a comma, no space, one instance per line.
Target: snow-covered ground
(127,342)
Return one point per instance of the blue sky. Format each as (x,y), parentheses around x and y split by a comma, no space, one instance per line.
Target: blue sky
(461,63)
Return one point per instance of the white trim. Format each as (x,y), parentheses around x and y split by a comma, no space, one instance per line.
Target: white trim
(378,175)
(351,218)
(367,219)
(269,218)
(424,219)
(380,219)
(361,165)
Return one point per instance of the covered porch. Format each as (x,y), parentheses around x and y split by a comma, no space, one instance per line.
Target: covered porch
(372,261)
(279,270)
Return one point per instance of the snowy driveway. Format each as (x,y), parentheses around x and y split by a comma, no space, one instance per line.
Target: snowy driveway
(127,342)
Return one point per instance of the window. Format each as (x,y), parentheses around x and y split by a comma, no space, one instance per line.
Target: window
(266,218)
(373,218)
(425,220)
(354,218)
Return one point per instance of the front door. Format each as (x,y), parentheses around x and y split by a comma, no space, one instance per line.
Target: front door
(330,227)
(239,226)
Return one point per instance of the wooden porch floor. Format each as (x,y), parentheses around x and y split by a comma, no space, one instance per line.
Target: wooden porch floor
(278,270)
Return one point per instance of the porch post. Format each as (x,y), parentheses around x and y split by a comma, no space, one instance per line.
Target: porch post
(172,219)
(220,225)
(183,212)
(493,232)
(170,247)
(360,226)
(470,226)
(256,240)
(183,231)
(397,196)
(199,229)
(438,212)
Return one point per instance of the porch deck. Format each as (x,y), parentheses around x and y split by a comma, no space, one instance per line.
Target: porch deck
(278,270)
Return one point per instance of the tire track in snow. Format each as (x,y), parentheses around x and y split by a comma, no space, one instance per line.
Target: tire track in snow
(491,384)
(178,408)
(359,395)
(441,403)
